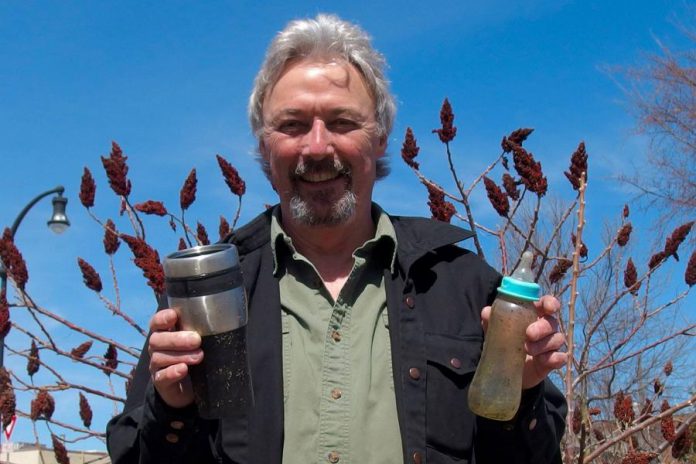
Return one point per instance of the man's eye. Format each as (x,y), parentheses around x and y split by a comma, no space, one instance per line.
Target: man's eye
(343,125)
(291,127)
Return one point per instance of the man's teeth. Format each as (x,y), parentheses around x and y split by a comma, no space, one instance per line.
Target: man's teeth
(319,176)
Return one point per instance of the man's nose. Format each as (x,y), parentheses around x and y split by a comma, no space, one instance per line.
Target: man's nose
(317,141)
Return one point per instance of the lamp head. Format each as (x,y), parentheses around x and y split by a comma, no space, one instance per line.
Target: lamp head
(59,221)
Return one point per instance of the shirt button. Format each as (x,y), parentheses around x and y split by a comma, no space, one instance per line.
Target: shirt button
(336,335)
(176,425)
(410,301)
(334,457)
(532,424)
(336,393)
(172,438)
(414,372)
(417,458)
(456,363)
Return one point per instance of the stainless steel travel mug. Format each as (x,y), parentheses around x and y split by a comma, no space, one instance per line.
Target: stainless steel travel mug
(204,286)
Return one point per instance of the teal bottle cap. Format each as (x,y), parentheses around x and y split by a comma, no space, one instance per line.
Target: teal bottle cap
(528,291)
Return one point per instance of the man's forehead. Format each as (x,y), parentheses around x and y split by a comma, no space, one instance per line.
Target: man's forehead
(335,72)
(339,71)
(291,111)
(335,67)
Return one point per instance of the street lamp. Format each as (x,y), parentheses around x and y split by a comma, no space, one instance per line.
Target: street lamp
(58,223)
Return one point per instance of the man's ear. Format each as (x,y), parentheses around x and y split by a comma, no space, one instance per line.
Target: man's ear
(262,148)
(382,145)
(264,160)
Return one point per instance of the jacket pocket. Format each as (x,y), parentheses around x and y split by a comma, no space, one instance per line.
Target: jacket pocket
(451,363)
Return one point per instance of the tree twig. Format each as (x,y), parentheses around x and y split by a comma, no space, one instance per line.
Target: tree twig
(570,327)
(465,201)
(635,428)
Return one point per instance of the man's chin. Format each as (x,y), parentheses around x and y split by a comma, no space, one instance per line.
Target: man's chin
(323,212)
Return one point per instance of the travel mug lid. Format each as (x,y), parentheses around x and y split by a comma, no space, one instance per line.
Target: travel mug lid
(200,260)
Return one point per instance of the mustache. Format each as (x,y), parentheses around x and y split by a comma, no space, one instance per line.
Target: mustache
(311,166)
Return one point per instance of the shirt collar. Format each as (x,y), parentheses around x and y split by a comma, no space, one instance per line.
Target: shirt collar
(382,245)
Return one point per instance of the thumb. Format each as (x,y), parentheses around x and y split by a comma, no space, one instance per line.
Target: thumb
(485,316)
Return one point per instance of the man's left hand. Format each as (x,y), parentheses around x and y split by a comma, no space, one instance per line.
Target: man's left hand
(544,340)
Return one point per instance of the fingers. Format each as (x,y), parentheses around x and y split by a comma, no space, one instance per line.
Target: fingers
(543,336)
(547,305)
(163,320)
(536,368)
(171,352)
(170,355)
(485,317)
(174,385)
(550,361)
(541,328)
(163,359)
(170,376)
(543,345)
(182,341)
(550,343)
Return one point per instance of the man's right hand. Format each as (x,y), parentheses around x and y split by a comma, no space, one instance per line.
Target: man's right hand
(171,352)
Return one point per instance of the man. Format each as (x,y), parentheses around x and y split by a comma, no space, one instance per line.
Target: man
(364,329)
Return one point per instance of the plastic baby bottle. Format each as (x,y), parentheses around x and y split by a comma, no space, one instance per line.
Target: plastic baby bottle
(496,389)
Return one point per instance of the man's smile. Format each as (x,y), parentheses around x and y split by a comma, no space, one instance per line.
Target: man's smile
(321,172)
(319,176)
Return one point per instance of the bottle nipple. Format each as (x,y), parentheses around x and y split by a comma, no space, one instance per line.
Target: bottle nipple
(521,283)
(524,269)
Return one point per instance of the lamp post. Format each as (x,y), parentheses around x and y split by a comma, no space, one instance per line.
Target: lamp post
(58,223)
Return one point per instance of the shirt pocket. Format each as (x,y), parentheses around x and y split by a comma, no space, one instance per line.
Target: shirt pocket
(451,363)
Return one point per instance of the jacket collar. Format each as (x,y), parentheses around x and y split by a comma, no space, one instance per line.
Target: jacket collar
(419,236)
(252,235)
(415,236)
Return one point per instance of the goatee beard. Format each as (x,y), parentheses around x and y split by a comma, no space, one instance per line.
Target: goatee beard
(338,213)
(329,213)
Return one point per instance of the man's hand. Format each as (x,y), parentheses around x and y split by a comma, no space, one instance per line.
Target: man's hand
(543,341)
(171,352)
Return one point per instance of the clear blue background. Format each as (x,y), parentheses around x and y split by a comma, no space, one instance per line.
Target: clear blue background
(169,81)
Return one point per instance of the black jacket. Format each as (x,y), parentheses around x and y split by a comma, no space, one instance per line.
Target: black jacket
(434,300)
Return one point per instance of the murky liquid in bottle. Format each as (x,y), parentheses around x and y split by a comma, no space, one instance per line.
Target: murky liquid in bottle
(496,389)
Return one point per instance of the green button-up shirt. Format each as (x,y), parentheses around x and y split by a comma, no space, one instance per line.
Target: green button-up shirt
(337,377)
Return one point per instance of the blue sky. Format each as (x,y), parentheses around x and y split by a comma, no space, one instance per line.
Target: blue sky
(169,81)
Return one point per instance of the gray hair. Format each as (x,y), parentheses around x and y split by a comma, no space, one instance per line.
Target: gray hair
(325,37)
